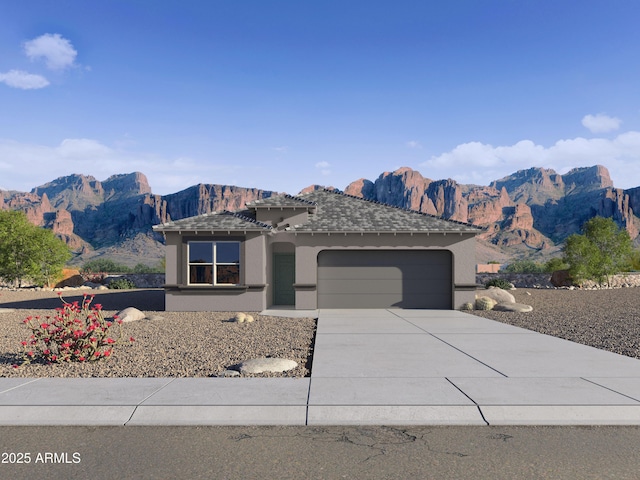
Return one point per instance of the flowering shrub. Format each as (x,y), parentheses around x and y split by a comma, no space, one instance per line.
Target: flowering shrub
(77,333)
(121,284)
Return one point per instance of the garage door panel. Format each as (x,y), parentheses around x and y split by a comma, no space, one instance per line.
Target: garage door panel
(362,300)
(384,279)
(398,272)
(357,273)
(385,301)
(362,286)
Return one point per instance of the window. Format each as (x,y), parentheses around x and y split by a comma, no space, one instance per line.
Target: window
(214,263)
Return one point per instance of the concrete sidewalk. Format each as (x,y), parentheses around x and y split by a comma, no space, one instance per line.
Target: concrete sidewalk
(402,367)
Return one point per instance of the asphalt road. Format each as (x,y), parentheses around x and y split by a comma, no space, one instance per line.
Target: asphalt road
(320,453)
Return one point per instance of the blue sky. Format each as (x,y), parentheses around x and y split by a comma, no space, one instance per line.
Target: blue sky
(282,94)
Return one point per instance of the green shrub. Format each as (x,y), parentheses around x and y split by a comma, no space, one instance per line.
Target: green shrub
(634,261)
(105,265)
(498,282)
(555,264)
(144,268)
(524,266)
(121,284)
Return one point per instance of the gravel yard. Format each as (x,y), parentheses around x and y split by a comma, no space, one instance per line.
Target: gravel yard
(203,344)
(605,319)
(170,344)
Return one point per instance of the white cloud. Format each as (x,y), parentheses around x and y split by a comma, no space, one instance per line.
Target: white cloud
(324,167)
(283,149)
(476,162)
(601,123)
(413,144)
(57,52)
(82,148)
(24,166)
(23,80)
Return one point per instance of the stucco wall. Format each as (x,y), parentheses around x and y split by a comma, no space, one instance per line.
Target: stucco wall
(253,276)
(256,269)
(309,246)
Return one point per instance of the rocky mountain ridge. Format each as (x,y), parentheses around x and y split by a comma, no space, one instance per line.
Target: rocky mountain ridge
(531,211)
(114,217)
(528,213)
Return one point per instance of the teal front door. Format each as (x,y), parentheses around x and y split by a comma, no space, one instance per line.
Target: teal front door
(284,275)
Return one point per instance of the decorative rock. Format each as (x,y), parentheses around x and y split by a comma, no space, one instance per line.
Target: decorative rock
(248,319)
(513,307)
(240,317)
(230,373)
(260,365)
(561,278)
(499,295)
(131,314)
(485,303)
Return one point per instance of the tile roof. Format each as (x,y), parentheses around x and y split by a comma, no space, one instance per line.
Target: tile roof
(281,201)
(339,212)
(231,221)
(332,211)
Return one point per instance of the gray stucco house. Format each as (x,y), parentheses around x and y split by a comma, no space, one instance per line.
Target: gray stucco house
(322,249)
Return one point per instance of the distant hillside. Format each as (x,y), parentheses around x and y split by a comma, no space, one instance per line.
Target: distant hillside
(526,214)
(113,218)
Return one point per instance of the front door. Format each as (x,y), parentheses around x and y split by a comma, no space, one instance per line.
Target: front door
(284,275)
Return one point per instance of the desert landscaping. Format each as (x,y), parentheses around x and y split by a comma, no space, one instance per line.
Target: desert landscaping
(167,344)
(205,344)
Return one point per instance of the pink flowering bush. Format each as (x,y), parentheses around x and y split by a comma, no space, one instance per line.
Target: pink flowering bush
(76,333)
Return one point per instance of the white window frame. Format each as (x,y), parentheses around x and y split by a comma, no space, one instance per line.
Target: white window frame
(214,264)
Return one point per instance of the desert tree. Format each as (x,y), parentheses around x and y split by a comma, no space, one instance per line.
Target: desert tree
(50,256)
(28,252)
(603,249)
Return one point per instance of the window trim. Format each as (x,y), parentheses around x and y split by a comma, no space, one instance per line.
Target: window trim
(214,263)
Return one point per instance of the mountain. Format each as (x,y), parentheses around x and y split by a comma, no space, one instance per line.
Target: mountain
(114,217)
(526,214)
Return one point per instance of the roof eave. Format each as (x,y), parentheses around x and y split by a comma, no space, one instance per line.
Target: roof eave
(386,232)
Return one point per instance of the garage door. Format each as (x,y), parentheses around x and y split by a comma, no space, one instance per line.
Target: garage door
(384,279)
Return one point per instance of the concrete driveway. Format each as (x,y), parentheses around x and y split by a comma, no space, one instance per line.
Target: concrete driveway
(379,367)
(450,367)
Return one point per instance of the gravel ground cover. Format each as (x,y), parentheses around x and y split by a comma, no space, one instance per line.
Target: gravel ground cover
(202,344)
(168,344)
(605,319)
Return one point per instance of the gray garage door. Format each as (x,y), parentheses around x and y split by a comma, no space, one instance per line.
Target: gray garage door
(384,279)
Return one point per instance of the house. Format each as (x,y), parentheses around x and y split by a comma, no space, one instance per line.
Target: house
(322,249)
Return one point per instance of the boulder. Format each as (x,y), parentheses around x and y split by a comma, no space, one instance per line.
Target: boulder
(513,307)
(260,365)
(499,295)
(131,314)
(485,303)
(240,317)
